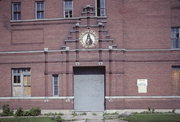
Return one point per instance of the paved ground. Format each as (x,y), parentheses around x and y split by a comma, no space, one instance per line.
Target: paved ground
(89,117)
(100,121)
(105,121)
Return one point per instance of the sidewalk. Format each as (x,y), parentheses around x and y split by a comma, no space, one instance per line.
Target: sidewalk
(89,117)
(100,121)
(105,121)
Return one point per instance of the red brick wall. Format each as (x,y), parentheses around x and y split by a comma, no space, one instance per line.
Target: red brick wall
(132,24)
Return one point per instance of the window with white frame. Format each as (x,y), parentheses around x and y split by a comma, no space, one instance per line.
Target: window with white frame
(68,8)
(55,85)
(40,10)
(21,82)
(16,11)
(101,7)
(175,37)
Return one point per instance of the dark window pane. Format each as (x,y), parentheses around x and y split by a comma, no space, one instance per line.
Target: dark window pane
(55,78)
(70,13)
(17,79)
(102,12)
(40,15)
(40,6)
(15,17)
(55,83)
(19,16)
(55,90)
(16,7)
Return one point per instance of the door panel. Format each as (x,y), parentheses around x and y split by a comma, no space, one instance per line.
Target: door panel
(89,91)
(176,82)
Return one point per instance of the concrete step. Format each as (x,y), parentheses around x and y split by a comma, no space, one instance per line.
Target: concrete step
(84,116)
(79,121)
(94,121)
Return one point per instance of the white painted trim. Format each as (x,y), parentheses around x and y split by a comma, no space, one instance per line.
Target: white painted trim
(142,97)
(100,49)
(12,12)
(95,7)
(12,52)
(121,111)
(142,50)
(106,97)
(57,19)
(35,10)
(35,98)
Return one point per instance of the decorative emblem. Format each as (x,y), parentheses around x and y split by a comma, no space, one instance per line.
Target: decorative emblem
(88,39)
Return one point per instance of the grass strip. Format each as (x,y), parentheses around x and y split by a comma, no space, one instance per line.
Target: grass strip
(28,119)
(154,117)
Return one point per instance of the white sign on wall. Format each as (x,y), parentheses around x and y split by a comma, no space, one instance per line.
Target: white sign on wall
(142,85)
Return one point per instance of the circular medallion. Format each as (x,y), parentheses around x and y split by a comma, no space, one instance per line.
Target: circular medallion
(88,39)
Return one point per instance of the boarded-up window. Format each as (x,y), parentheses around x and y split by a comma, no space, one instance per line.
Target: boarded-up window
(21,82)
(176,80)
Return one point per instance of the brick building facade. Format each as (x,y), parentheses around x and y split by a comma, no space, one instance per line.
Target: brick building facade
(90,55)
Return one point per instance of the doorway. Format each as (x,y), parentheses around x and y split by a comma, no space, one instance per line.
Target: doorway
(89,88)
